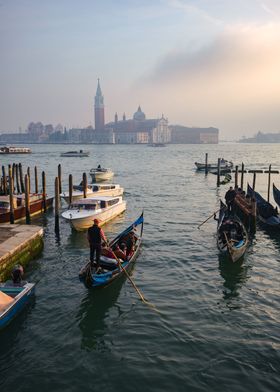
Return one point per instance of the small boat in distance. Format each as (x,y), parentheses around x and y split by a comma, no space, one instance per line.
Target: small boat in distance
(93,190)
(110,268)
(80,154)
(12,300)
(15,150)
(224,165)
(156,145)
(101,174)
(81,213)
(232,236)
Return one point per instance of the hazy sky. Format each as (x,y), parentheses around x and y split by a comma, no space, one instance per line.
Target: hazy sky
(200,62)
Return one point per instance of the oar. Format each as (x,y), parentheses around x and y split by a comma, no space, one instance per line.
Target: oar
(208,218)
(228,245)
(131,281)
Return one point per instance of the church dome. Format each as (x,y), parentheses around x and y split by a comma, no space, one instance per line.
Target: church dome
(139,115)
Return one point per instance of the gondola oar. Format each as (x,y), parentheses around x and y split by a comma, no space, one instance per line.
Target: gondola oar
(228,245)
(208,218)
(131,280)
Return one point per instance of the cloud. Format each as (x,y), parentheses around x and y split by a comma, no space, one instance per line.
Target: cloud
(234,79)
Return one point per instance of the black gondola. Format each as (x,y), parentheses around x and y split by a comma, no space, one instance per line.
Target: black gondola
(232,236)
(276,195)
(266,213)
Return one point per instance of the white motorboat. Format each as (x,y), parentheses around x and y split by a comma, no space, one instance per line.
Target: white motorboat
(80,154)
(92,191)
(82,212)
(15,150)
(101,174)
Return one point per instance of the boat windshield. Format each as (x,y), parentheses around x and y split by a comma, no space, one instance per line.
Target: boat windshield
(83,206)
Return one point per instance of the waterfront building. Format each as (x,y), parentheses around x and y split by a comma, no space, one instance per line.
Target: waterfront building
(140,130)
(194,135)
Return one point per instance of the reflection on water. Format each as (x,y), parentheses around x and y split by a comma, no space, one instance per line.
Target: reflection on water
(235,275)
(93,315)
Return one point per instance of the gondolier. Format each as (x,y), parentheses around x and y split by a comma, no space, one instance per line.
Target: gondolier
(95,238)
(230,196)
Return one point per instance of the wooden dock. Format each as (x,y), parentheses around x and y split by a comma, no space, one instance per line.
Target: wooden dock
(18,245)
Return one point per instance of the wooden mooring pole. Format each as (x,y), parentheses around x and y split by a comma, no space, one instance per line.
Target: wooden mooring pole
(59,178)
(28,174)
(13,175)
(70,188)
(27,199)
(242,176)
(206,163)
(56,204)
(253,220)
(11,193)
(36,179)
(21,178)
(44,191)
(219,172)
(85,185)
(5,190)
(236,177)
(17,181)
(254,180)
(268,185)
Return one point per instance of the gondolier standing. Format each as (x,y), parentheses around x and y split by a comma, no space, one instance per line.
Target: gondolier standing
(95,238)
(230,196)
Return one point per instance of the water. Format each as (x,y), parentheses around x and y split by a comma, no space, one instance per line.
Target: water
(217,325)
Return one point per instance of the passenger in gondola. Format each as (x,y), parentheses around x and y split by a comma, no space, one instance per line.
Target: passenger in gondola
(130,241)
(99,168)
(120,251)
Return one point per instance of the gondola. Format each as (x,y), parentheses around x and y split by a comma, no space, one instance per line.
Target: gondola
(267,214)
(111,268)
(232,236)
(276,195)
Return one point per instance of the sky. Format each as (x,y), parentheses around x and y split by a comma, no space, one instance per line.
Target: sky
(199,62)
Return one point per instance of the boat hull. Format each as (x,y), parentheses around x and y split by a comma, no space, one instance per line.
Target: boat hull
(213,166)
(20,301)
(19,213)
(79,155)
(79,195)
(233,253)
(104,216)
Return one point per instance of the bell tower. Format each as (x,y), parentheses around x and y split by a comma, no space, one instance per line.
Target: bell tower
(99,109)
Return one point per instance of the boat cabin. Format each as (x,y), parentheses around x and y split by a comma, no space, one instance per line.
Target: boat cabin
(94,203)
(95,187)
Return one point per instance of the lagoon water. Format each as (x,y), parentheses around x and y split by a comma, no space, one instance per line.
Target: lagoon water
(217,325)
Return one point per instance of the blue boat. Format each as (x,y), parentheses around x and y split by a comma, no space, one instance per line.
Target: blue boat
(113,268)
(13,299)
(267,214)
